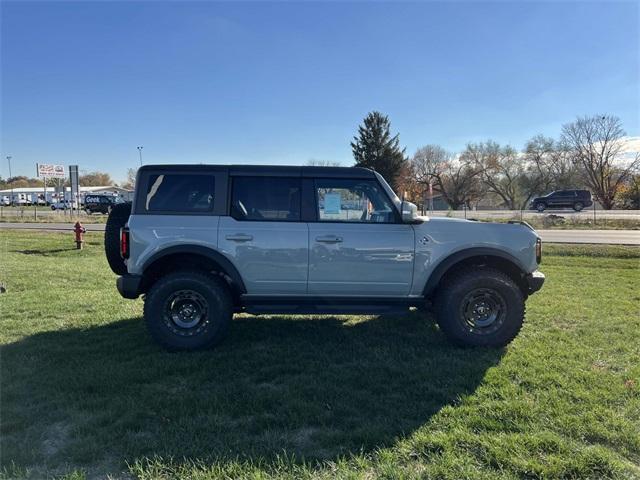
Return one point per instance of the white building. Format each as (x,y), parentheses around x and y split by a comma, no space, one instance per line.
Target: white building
(31,195)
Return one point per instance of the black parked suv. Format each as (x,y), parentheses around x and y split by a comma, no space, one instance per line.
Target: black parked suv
(576,199)
(100,203)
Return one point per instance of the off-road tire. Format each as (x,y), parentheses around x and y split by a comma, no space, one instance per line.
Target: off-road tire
(117,219)
(578,206)
(214,326)
(450,307)
(540,206)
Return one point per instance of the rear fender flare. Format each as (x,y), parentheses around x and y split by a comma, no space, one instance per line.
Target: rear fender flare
(225,264)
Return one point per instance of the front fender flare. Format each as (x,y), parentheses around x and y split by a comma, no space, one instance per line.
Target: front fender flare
(445,264)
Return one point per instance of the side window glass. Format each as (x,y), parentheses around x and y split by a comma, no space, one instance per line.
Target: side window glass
(184,193)
(353,201)
(266,199)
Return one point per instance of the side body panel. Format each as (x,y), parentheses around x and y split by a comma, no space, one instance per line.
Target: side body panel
(365,259)
(272,257)
(149,234)
(438,238)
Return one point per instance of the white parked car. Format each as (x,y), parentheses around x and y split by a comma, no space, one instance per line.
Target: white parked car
(61,205)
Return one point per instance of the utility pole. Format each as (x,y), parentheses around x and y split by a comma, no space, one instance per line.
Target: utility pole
(9,160)
(140,154)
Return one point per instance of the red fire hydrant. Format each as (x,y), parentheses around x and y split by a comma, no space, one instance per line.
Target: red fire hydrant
(79,231)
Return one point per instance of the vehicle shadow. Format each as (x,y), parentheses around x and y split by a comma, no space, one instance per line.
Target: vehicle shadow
(312,388)
(45,253)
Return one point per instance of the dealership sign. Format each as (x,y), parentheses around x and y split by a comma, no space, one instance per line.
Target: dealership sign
(47,170)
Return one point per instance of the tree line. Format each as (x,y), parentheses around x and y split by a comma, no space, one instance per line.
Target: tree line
(92,179)
(589,153)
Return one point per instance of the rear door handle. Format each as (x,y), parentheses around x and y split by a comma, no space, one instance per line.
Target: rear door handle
(239,237)
(329,239)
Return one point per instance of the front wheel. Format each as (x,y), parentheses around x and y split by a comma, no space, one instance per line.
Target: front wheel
(188,310)
(540,207)
(578,206)
(481,307)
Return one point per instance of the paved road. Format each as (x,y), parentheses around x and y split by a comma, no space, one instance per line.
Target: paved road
(532,214)
(611,237)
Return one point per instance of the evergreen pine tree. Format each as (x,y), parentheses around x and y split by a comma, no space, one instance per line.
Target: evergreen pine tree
(374,147)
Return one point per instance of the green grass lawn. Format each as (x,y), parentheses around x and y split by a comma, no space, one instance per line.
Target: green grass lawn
(46,215)
(86,394)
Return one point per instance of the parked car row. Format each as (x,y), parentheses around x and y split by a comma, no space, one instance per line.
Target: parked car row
(22,199)
(91,203)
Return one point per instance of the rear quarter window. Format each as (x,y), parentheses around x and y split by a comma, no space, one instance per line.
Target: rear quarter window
(178,193)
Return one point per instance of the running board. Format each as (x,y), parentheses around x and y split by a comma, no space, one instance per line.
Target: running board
(326,305)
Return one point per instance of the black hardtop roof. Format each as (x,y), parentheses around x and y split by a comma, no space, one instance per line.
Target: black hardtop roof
(266,170)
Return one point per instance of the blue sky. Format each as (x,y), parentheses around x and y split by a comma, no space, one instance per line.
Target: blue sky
(287,82)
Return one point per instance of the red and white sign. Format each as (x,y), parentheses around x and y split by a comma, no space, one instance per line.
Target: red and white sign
(47,170)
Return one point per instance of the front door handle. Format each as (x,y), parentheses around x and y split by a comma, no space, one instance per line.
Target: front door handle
(239,237)
(329,239)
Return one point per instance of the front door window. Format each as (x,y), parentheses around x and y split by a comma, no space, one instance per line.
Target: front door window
(341,200)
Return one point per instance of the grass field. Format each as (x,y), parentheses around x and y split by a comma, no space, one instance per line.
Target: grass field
(585,223)
(86,394)
(46,215)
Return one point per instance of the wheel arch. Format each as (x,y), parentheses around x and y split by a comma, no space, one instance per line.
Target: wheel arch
(477,257)
(192,256)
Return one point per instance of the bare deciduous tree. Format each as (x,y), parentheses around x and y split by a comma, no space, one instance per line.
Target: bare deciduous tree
(457,178)
(131,179)
(503,171)
(549,166)
(95,179)
(596,146)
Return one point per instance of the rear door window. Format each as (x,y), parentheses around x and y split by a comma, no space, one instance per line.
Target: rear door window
(180,193)
(266,199)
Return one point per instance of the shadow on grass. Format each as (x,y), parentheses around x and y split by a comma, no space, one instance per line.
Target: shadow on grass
(314,388)
(45,252)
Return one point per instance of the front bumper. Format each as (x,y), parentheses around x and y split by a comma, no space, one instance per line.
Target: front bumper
(535,281)
(129,285)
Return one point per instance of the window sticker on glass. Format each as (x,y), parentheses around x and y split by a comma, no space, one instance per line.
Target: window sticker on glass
(153,190)
(332,202)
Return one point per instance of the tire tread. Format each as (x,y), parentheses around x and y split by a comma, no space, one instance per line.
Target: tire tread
(442,302)
(213,283)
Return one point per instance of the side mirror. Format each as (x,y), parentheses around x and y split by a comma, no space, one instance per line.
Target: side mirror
(409,212)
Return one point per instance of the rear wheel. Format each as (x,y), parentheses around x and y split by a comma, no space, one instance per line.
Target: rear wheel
(188,310)
(578,206)
(482,307)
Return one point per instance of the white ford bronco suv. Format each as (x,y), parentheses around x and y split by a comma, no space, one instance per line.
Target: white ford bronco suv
(201,242)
